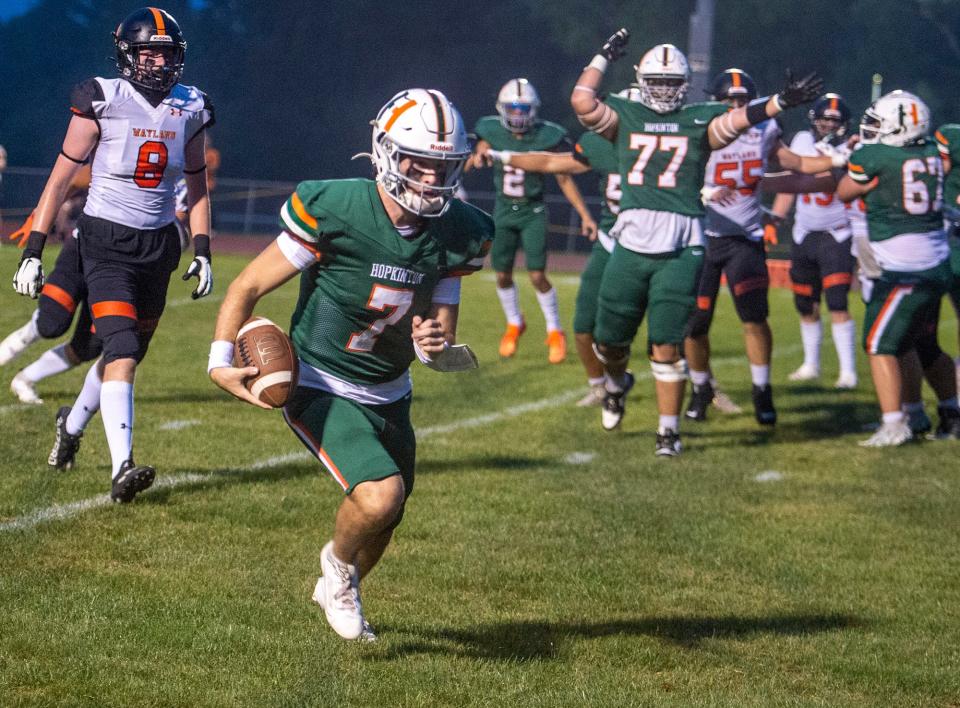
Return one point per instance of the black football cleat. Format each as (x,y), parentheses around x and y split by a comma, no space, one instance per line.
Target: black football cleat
(65,445)
(763,408)
(614,404)
(700,399)
(949,425)
(131,480)
(668,443)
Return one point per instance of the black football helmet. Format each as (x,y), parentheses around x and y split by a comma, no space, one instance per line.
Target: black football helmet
(832,107)
(150,27)
(732,84)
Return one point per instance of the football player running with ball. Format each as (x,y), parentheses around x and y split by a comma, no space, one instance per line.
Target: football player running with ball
(143,130)
(662,150)
(380,264)
(520,213)
(899,173)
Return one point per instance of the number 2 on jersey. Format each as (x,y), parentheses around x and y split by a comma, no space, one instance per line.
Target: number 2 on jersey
(513,178)
(647,144)
(151,162)
(394,302)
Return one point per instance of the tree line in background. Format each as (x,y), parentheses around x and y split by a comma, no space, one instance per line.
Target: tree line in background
(295,82)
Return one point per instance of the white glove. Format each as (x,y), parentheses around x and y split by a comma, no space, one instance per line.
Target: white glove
(502,156)
(29,277)
(838,154)
(201,269)
(458,357)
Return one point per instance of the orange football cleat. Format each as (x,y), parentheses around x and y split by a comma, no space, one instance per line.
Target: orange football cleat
(557,343)
(510,339)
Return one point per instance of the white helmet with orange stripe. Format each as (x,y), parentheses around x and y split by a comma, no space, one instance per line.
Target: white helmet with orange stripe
(897,119)
(517,104)
(663,76)
(422,127)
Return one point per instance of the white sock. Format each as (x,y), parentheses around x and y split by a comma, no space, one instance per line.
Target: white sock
(29,332)
(760,374)
(811,333)
(893,417)
(51,362)
(510,302)
(550,309)
(87,403)
(844,339)
(595,381)
(116,409)
(669,421)
(699,378)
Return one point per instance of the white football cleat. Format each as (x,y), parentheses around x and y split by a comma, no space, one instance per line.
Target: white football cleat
(804,373)
(723,403)
(846,381)
(17,342)
(23,388)
(889,435)
(593,397)
(338,593)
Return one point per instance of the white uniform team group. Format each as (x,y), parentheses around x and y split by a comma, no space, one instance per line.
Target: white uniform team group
(380,261)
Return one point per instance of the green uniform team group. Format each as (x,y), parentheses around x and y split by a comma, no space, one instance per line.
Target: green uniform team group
(380,261)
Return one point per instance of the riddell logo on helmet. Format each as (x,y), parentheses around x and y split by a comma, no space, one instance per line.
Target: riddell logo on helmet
(441,147)
(161,38)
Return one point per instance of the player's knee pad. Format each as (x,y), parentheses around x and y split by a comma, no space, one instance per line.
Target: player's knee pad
(86,345)
(836,297)
(120,344)
(804,304)
(53,319)
(699,323)
(611,355)
(669,372)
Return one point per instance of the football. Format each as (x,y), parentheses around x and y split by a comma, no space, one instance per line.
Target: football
(262,344)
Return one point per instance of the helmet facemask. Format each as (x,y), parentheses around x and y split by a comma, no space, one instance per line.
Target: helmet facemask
(419,198)
(517,117)
(145,72)
(663,93)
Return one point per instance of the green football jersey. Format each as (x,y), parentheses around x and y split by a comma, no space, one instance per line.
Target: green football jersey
(510,182)
(601,155)
(908,198)
(662,156)
(948,138)
(354,314)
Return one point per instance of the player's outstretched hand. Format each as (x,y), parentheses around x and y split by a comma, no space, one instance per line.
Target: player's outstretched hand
(28,280)
(428,335)
(200,269)
(231,379)
(616,46)
(796,92)
(588,228)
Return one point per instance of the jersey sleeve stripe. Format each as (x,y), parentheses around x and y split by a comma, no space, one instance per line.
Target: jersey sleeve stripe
(302,212)
(858,177)
(293,225)
(941,138)
(855,168)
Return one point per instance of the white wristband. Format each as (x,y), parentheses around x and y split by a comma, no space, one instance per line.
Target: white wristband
(221,355)
(599,63)
(501,156)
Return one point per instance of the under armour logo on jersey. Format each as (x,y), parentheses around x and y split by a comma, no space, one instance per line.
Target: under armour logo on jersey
(176,112)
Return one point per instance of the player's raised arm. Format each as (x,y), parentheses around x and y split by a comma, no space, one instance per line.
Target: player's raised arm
(547,162)
(724,129)
(82,136)
(591,111)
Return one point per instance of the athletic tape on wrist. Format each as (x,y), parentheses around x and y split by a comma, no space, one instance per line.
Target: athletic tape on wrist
(221,355)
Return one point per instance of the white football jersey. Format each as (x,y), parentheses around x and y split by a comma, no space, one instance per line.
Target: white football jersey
(740,166)
(817,211)
(140,155)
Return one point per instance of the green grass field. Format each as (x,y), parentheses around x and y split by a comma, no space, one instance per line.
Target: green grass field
(542,561)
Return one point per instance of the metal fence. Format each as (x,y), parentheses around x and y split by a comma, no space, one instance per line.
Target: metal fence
(252,207)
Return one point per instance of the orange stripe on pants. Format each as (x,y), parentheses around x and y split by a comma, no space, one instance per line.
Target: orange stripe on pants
(113,308)
(837,279)
(59,296)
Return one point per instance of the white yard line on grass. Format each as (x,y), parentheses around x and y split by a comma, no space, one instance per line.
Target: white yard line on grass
(59,512)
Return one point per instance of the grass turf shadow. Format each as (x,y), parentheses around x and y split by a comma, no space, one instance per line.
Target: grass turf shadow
(532,640)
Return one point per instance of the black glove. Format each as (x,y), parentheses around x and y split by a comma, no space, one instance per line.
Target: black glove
(615,47)
(800,91)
